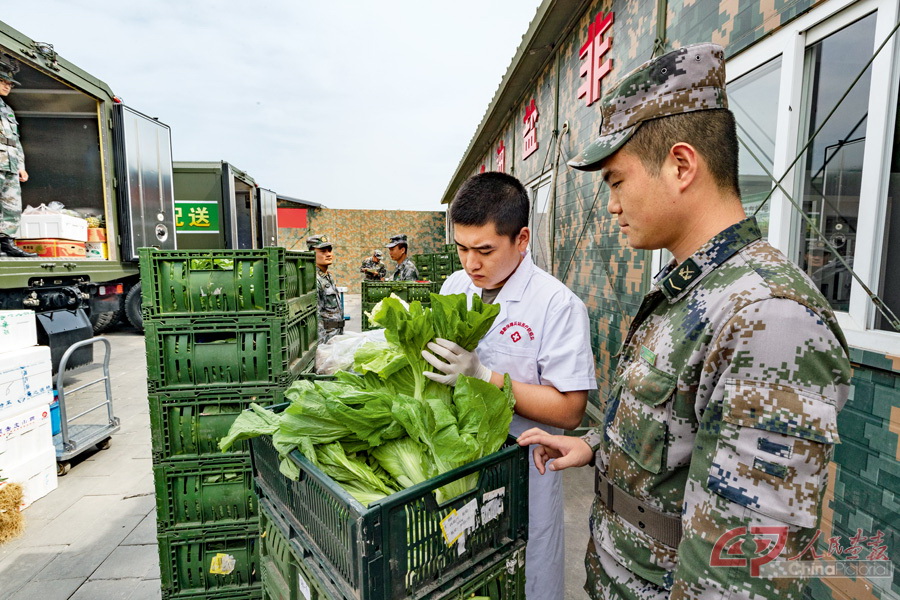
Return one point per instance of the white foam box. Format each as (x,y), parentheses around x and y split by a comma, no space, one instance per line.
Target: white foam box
(18,329)
(54,226)
(37,476)
(25,436)
(26,380)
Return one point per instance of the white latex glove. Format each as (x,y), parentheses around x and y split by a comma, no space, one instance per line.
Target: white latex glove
(459,362)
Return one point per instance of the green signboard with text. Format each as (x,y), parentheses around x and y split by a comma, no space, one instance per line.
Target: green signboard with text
(197,216)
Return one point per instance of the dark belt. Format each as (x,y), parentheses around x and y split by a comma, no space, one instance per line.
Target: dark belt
(660,526)
(332,323)
(7,141)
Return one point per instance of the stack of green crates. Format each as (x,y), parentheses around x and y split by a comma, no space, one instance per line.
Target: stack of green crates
(223,328)
(375,291)
(436,267)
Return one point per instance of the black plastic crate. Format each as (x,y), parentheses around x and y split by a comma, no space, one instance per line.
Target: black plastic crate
(185,558)
(189,425)
(268,281)
(204,493)
(369,551)
(185,354)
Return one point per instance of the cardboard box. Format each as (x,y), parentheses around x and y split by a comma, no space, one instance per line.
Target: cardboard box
(96,250)
(18,329)
(52,226)
(25,436)
(96,234)
(48,248)
(26,380)
(37,476)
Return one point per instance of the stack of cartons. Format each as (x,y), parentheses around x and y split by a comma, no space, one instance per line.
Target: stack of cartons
(223,328)
(27,454)
(53,235)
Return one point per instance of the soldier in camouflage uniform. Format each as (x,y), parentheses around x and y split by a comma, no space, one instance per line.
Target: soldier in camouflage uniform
(723,410)
(373,268)
(399,248)
(331,313)
(12,166)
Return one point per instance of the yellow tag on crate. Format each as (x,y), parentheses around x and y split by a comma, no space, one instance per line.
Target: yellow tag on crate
(222,564)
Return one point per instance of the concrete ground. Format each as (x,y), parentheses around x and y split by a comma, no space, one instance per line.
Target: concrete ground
(94,537)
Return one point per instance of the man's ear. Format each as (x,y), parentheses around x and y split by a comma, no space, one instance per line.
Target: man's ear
(522,239)
(684,164)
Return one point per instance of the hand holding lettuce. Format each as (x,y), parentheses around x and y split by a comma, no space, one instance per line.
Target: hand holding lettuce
(388,427)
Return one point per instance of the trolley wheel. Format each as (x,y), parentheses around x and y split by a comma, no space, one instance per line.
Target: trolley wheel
(63,467)
(105,444)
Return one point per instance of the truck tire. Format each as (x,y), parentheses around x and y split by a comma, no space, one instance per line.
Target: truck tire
(133,307)
(104,320)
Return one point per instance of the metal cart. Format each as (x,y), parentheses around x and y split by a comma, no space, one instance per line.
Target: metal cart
(72,440)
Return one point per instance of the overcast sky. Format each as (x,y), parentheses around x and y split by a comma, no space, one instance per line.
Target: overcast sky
(350,104)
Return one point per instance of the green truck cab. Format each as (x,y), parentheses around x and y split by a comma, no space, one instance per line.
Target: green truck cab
(86,149)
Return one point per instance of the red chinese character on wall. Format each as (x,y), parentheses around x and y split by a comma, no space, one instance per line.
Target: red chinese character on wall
(482,169)
(594,68)
(501,158)
(530,135)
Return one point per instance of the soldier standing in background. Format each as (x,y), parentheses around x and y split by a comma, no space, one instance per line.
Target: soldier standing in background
(12,166)
(373,268)
(331,313)
(399,249)
(722,415)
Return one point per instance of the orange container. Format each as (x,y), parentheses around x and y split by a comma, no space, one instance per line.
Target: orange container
(96,234)
(53,248)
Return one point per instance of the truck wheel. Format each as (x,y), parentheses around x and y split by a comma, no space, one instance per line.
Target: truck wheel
(104,320)
(133,307)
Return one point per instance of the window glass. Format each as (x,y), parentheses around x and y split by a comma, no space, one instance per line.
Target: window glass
(889,287)
(753,98)
(832,166)
(540,224)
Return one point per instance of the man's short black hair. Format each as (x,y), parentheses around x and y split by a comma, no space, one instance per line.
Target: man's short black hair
(492,197)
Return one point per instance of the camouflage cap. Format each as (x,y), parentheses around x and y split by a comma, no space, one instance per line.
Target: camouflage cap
(397,239)
(8,68)
(318,241)
(684,80)
(378,254)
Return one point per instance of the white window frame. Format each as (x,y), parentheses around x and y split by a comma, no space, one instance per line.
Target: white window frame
(545,178)
(791,43)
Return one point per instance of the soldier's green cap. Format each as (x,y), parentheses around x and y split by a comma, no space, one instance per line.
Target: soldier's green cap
(684,80)
(318,241)
(378,254)
(397,239)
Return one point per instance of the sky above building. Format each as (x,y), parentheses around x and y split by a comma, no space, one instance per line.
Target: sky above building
(350,104)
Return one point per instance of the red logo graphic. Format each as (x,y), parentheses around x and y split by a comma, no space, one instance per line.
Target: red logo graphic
(515,336)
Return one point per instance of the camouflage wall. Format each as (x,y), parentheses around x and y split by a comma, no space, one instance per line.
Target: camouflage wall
(356,233)
(592,258)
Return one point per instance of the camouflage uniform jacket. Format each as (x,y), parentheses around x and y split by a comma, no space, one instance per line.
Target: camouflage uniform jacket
(406,271)
(370,265)
(723,410)
(12,157)
(331,314)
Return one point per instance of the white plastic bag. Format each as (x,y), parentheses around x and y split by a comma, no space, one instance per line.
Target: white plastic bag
(337,354)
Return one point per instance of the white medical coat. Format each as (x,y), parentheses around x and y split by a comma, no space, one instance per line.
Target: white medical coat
(541,336)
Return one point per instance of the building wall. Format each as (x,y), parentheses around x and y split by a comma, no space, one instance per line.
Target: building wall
(593,259)
(357,233)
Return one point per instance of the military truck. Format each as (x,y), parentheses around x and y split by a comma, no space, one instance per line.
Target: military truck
(85,149)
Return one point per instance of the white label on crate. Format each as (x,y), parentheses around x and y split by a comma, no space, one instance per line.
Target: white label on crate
(303,586)
(493,505)
(458,521)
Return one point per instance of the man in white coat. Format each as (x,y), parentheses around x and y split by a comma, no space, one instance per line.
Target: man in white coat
(541,338)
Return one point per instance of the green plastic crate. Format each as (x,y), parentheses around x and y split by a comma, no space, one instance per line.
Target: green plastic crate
(204,493)
(367,550)
(269,281)
(189,425)
(287,575)
(374,291)
(184,354)
(185,558)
